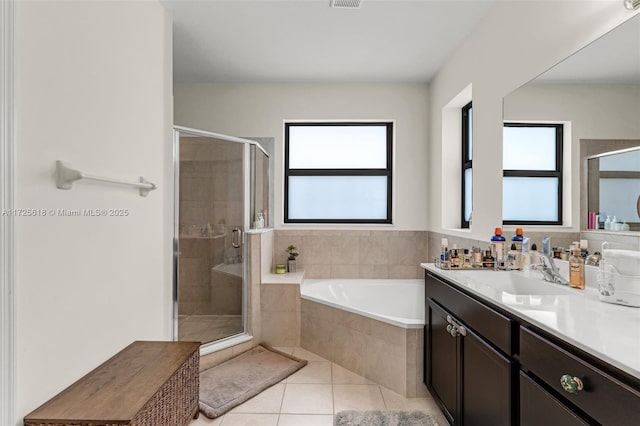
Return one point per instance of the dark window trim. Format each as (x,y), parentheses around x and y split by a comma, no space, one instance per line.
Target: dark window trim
(467,162)
(557,173)
(387,171)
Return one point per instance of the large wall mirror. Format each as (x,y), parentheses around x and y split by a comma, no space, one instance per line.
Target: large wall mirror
(595,94)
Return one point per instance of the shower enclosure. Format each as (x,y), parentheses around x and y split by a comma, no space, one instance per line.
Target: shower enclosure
(220,187)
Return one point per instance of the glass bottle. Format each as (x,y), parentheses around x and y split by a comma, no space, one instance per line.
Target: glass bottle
(488,260)
(576,269)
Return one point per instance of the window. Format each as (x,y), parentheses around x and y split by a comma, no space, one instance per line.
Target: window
(467,171)
(532,176)
(337,172)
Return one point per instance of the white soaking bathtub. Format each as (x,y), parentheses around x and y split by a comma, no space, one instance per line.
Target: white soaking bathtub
(372,327)
(398,302)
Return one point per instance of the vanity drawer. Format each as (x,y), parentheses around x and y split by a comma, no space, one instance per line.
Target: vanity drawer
(605,399)
(493,326)
(539,407)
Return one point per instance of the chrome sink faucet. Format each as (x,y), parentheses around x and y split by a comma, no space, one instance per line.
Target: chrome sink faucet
(548,267)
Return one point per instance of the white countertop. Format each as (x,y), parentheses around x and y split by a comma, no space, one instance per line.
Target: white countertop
(607,331)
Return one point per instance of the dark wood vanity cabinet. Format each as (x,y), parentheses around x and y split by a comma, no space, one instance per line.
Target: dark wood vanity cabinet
(539,407)
(485,366)
(467,375)
(598,396)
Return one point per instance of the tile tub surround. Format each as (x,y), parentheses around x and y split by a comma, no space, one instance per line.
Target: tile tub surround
(390,356)
(354,254)
(280,314)
(314,394)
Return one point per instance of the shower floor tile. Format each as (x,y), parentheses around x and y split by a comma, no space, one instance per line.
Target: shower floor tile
(207,328)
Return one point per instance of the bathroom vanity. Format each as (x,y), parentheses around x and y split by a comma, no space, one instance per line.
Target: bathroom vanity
(505,349)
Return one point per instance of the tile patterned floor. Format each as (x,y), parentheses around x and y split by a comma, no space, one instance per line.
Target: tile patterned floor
(208,328)
(311,396)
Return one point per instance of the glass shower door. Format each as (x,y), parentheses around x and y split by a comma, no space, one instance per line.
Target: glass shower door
(210,253)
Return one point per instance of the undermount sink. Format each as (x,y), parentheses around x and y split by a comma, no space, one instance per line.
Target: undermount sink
(515,283)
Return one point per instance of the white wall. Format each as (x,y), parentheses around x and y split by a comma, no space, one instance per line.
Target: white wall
(260,110)
(93,87)
(516,42)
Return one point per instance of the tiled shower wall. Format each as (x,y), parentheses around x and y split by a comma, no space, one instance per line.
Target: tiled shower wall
(197,256)
(355,254)
(210,185)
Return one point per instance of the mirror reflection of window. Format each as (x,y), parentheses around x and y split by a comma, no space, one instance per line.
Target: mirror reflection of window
(619,187)
(596,93)
(532,183)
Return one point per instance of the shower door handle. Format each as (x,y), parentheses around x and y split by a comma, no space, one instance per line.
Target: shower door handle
(236,237)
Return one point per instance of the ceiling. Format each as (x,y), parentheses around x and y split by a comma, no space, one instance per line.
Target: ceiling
(253,41)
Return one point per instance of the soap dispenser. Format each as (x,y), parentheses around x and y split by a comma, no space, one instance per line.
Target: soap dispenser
(576,269)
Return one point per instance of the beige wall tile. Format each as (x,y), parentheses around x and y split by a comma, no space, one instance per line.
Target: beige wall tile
(393,335)
(316,271)
(194,248)
(345,271)
(345,250)
(317,311)
(404,249)
(405,271)
(316,335)
(411,357)
(374,271)
(280,328)
(374,249)
(349,346)
(353,321)
(386,364)
(280,298)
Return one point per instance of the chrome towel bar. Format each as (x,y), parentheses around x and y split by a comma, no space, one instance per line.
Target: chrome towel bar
(65,176)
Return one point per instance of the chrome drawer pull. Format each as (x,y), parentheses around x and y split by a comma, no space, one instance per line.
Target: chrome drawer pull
(571,384)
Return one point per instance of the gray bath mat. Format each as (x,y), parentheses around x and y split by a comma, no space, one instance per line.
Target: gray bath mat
(383,418)
(231,383)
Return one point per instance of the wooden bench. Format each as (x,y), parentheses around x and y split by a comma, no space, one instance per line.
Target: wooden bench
(147,383)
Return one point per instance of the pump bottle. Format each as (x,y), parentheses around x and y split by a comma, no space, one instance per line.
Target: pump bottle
(576,269)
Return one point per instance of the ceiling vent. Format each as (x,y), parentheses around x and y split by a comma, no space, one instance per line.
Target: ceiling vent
(345,4)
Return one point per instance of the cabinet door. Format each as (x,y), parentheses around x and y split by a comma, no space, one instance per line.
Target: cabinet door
(486,384)
(441,361)
(538,407)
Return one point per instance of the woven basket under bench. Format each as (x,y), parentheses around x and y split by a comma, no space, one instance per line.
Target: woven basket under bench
(145,384)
